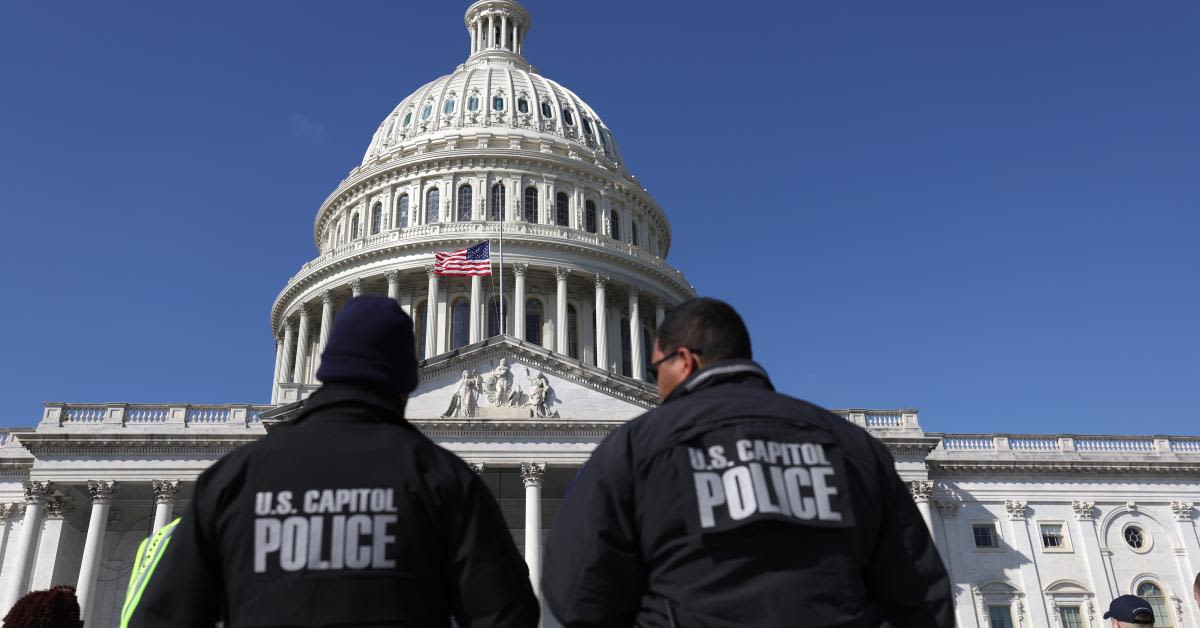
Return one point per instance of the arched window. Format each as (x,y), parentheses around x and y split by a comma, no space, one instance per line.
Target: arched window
(1154,595)
(497,103)
(626,349)
(354,227)
(376,218)
(421,322)
(614,224)
(460,324)
(473,103)
(633,232)
(547,110)
(402,211)
(562,210)
(497,208)
(448,107)
(533,321)
(572,332)
(522,105)
(494,317)
(407,118)
(464,202)
(567,117)
(587,127)
(531,208)
(426,111)
(589,217)
(433,202)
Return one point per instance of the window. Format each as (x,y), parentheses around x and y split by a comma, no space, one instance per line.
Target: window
(604,141)
(562,210)
(354,227)
(985,535)
(531,204)
(1135,537)
(448,107)
(376,218)
(422,318)
(1158,603)
(427,111)
(614,225)
(587,127)
(567,117)
(497,103)
(497,209)
(522,105)
(589,217)
(533,321)
(407,118)
(572,332)
(460,324)
(1000,617)
(1069,617)
(472,103)
(494,316)
(1052,536)
(626,349)
(633,226)
(464,203)
(402,211)
(547,110)
(432,203)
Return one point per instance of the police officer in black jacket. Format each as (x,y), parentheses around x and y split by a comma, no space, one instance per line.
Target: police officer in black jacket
(346,516)
(734,505)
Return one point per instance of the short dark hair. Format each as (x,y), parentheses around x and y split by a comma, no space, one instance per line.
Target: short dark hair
(706,325)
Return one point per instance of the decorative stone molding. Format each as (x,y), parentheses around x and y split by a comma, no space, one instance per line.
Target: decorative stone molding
(430,270)
(532,473)
(561,273)
(58,506)
(6,511)
(920,490)
(1016,508)
(356,286)
(327,297)
(1182,510)
(101,491)
(164,490)
(393,276)
(1083,510)
(1131,506)
(520,269)
(948,508)
(114,518)
(477,467)
(36,492)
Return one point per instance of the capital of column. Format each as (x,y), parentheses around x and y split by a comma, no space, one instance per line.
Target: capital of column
(164,490)
(532,473)
(477,467)
(58,506)
(393,276)
(1083,510)
(36,492)
(633,292)
(519,269)
(288,326)
(431,270)
(1182,510)
(948,508)
(561,273)
(327,297)
(920,490)
(601,280)
(302,310)
(1016,508)
(102,491)
(6,511)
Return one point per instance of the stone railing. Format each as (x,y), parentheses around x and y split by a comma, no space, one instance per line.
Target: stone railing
(63,415)
(881,419)
(1024,443)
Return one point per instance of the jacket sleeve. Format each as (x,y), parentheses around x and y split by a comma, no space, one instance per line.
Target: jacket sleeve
(906,575)
(184,589)
(490,581)
(593,573)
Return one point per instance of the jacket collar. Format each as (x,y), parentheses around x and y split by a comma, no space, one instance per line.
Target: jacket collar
(351,399)
(720,373)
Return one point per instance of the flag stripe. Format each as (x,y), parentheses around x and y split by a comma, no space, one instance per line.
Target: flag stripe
(475,261)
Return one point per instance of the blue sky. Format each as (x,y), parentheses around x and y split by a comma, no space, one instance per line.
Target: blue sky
(987,211)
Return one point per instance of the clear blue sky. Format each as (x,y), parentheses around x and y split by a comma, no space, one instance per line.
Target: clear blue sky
(987,211)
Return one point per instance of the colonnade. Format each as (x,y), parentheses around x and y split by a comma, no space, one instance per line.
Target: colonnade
(43,502)
(609,332)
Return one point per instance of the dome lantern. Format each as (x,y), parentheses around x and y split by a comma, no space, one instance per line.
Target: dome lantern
(497,27)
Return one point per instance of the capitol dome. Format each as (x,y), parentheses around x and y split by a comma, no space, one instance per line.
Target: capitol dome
(494,152)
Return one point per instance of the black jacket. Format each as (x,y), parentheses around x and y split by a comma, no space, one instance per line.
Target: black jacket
(733,505)
(346,516)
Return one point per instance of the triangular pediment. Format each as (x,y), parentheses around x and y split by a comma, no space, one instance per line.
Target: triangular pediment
(505,378)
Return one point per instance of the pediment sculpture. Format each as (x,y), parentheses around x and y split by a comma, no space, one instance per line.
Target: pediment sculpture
(501,393)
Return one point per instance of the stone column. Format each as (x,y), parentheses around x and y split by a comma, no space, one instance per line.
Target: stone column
(504,31)
(431,306)
(1089,547)
(164,501)
(518,305)
(278,365)
(35,504)
(356,287)
(301,346)
(491,34)
(1189,561)
(393,279)
(49,542)
(473,326)
(560,314)
(532,474)
(289,346)
(326,326)
(1023,544)
(601,322)
(921,490)
(635,335)
(102,494)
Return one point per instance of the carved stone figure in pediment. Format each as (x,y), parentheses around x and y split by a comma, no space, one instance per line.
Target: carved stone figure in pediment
(464,402)
(500,391)
(540,397)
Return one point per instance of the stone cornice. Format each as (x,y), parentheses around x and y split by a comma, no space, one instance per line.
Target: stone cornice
(1156,467)
(136,443)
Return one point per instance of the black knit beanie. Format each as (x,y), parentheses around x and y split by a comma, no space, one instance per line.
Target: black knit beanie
(371,343)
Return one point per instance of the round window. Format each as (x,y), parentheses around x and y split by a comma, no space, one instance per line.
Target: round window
(497,103)
(547,110)
(1136,538)
(408,118)
(448,107)
(426,112)
(473,103)
(523,105)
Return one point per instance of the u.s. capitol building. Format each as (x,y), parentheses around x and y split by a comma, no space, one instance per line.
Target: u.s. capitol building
(1037,530)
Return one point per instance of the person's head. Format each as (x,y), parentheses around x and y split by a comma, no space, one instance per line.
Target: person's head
(693,335)
(55,608)
(1130,610)
(371,344)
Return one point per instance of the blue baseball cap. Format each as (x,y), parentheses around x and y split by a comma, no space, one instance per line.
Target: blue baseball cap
(1130,609)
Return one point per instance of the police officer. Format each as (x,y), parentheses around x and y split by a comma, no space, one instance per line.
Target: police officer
(345,516)
(734,505)
(1129,610)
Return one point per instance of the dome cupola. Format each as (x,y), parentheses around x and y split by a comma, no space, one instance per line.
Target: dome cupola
(497,27)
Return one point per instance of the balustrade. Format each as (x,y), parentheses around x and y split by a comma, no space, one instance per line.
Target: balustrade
(1033,444)
(1114,445)
(968,443)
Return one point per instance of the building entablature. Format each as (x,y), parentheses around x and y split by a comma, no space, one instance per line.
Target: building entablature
(1073,453)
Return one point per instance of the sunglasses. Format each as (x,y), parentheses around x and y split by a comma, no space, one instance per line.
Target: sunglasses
(652,368)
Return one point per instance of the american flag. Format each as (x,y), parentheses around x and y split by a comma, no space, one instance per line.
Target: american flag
(476,260)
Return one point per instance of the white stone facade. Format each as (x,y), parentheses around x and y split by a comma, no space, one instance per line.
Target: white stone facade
(525,401)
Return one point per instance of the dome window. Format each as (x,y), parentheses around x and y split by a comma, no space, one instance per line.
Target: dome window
(547,110)
(497,208)
(531,204)
(567,117)
(408,118)
(497,103)
(522,105)
(473,103)
(614,225)
(448,107)
(587,127)
(562,209)
(432,205)
(426,112)
(589,217)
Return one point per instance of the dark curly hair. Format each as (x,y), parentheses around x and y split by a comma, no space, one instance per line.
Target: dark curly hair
(55,608)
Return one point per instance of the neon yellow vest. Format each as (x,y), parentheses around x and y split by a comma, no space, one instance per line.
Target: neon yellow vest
(148,554)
